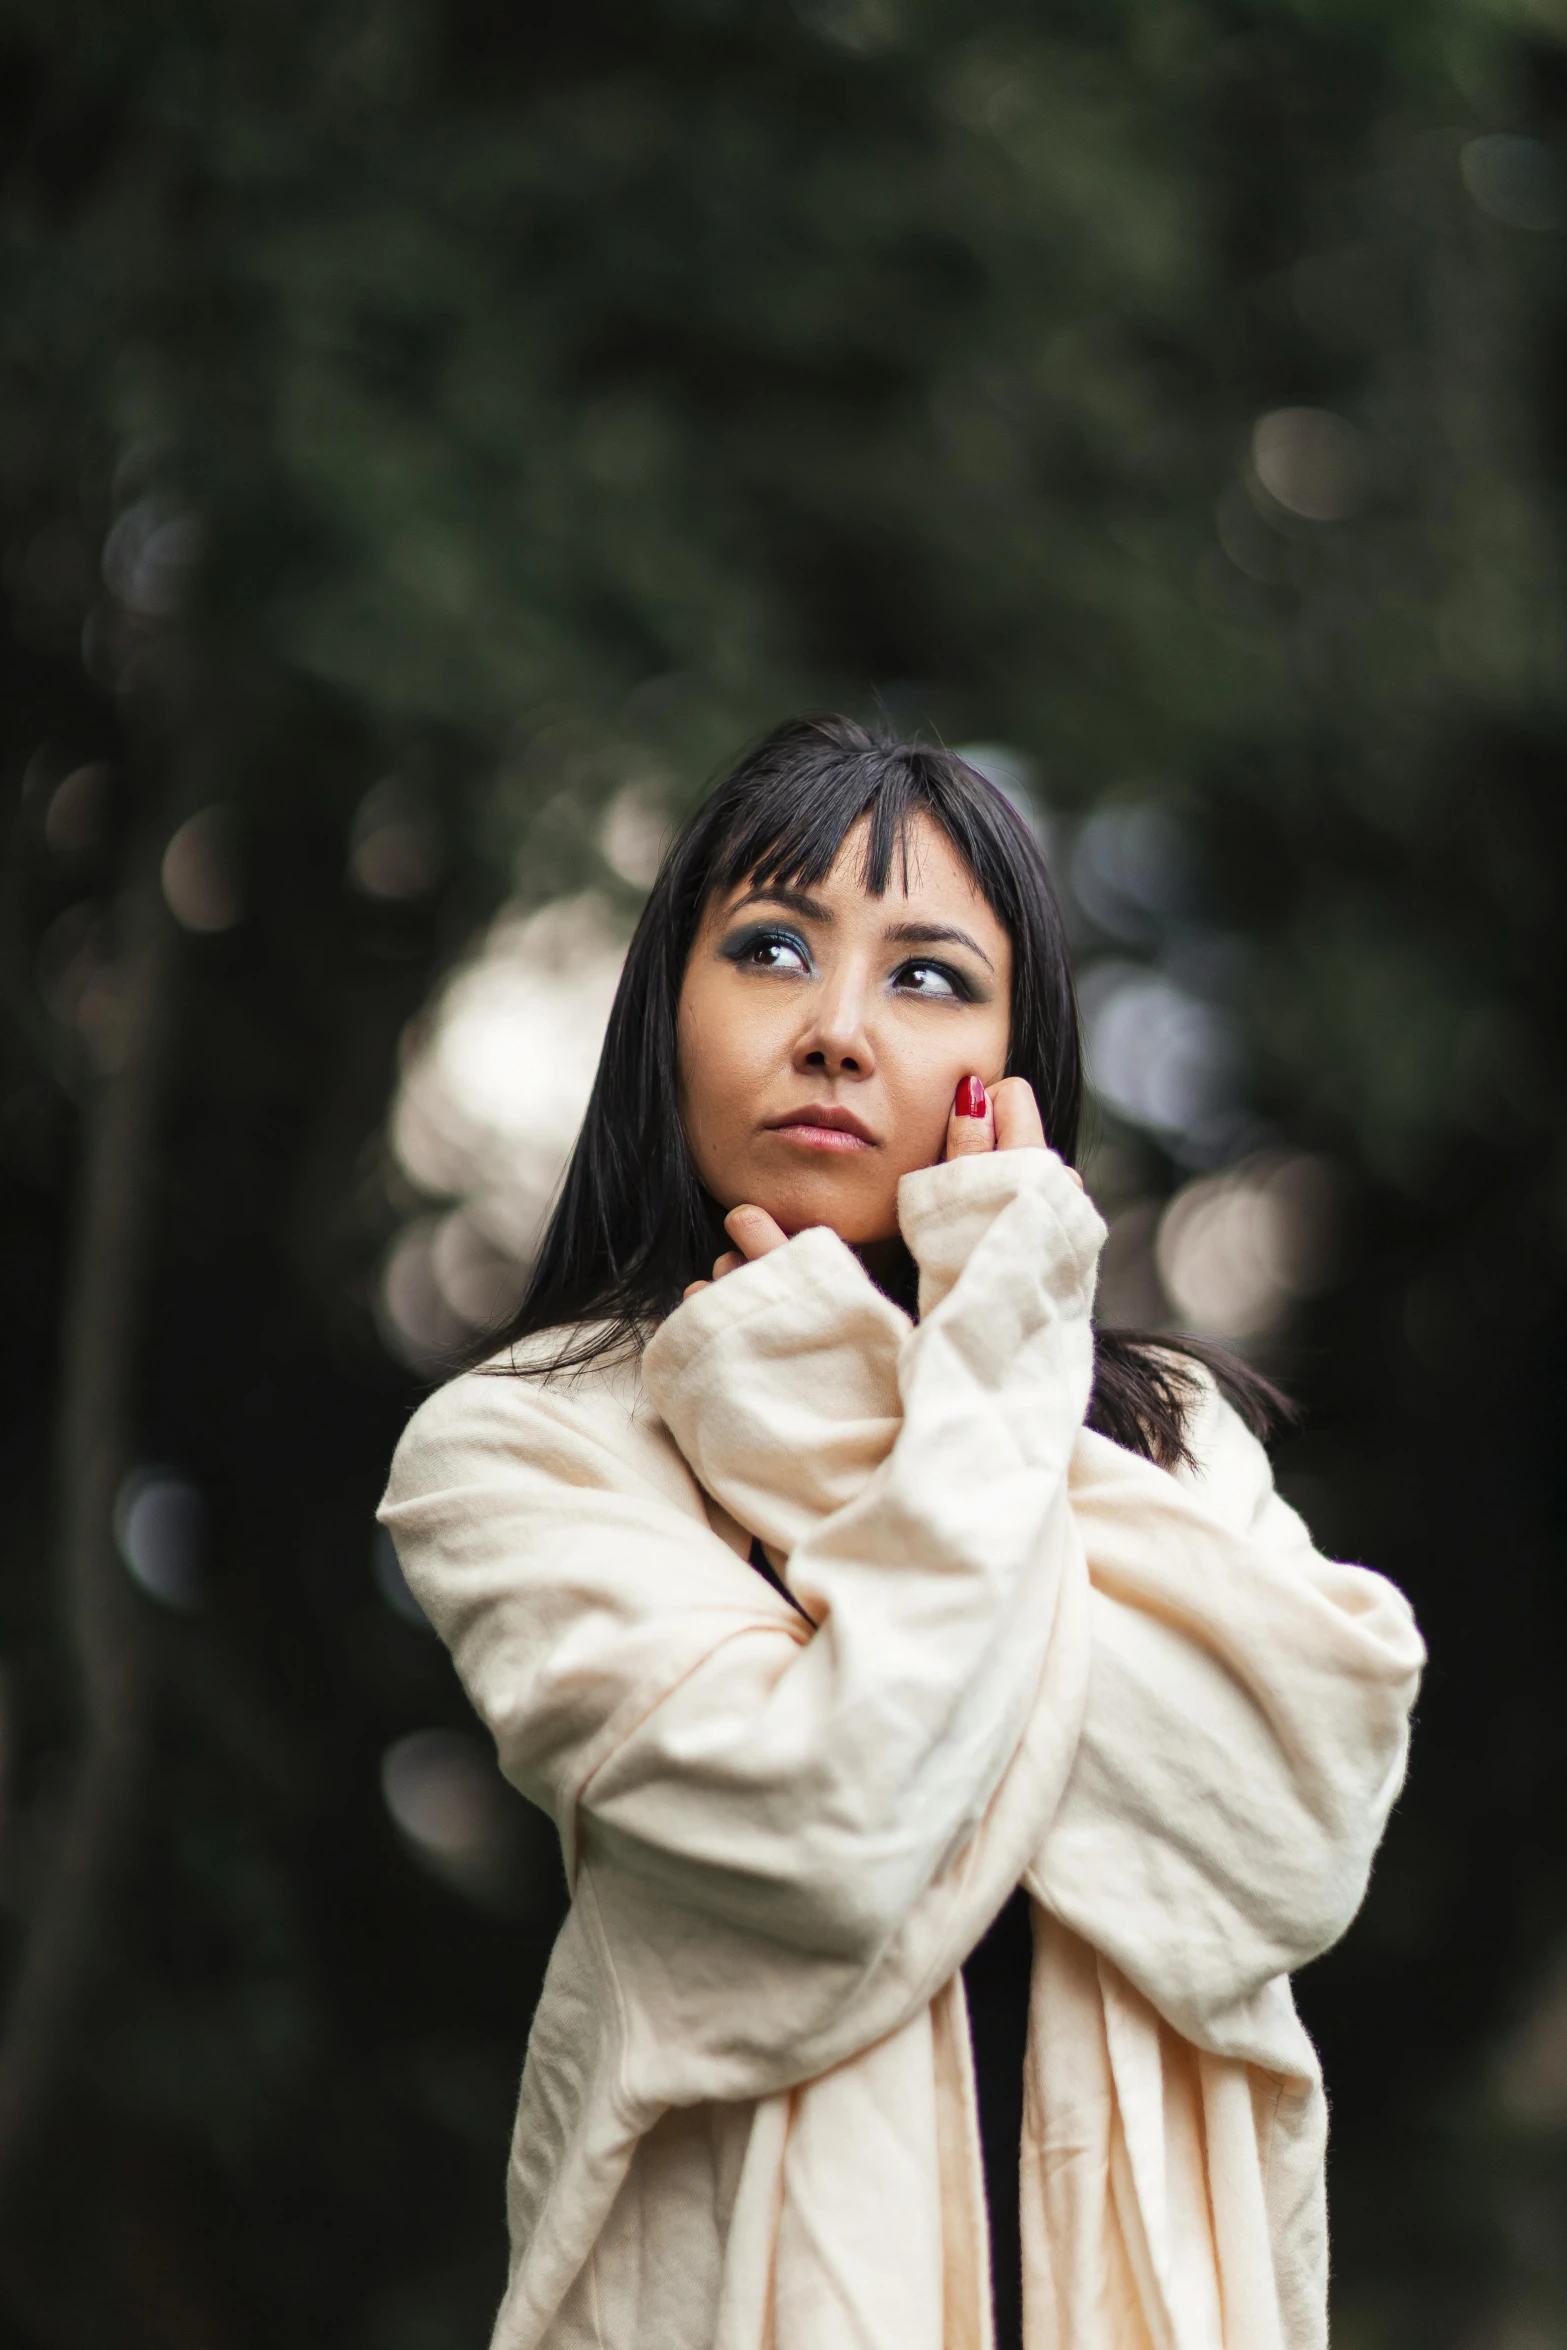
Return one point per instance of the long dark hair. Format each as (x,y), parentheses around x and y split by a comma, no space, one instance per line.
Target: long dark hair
(634,1223)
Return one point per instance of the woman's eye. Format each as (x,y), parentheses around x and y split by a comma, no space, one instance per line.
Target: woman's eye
(930,979)
(768,950)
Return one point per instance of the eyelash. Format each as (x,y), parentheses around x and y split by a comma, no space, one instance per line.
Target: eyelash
(740,949)
(961,988)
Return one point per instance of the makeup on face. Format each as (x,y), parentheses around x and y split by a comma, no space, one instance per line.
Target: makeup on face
(824,1031)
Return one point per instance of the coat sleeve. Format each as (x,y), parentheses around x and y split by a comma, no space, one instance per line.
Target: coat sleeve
(1245,1734)
(667,1709)
(1247,1707)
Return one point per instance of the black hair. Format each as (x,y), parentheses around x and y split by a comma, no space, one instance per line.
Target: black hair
(634,1223)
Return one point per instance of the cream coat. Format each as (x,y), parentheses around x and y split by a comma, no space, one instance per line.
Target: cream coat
(747,2118)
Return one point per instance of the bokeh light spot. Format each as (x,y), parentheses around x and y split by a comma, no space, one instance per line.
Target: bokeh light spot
(74,820)
(160,1528)
(394,849)
(1131,871)
(454,1811)
(149,555)
(1159,1055)
(1235,1250)
(1516,180)
(1310,462)
(201,872)
(635,833)
(496,1078)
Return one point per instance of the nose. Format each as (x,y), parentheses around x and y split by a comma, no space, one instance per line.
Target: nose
(836,1041)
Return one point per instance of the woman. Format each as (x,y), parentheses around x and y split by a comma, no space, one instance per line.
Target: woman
(860,1618)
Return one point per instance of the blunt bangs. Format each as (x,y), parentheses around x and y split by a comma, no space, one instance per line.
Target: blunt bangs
(790,824)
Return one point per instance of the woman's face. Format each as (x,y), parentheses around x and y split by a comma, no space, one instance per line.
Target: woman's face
(823,1033)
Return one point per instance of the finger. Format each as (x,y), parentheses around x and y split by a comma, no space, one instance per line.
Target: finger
(1019,1126)
(754,1232)
(971,1122)
(691,1288)
(729,1262)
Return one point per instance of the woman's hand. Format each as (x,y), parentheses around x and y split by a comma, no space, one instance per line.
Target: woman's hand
(1005,1119)
(754,1234)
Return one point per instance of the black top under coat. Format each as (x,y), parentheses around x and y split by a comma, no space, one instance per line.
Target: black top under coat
(996,1981)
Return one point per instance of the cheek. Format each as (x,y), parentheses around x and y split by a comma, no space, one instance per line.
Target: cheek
(922,1104)
(718,1076)
(922,1077)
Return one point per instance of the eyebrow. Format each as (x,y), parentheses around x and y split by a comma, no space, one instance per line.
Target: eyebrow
(777,893)
(936,934)
(903,934)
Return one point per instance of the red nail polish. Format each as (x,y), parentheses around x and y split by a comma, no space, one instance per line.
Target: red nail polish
(970,1101)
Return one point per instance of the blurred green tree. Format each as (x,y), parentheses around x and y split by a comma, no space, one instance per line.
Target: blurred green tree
(437,416)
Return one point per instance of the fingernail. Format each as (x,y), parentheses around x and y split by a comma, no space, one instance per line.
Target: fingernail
(970,1101)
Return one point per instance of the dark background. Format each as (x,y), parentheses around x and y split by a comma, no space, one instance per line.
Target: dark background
(416,422)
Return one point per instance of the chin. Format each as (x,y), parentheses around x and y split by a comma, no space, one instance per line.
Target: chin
(796,1207)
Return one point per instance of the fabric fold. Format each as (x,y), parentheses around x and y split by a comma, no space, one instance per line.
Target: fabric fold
(748,2103)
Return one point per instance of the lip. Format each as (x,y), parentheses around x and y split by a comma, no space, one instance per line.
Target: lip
(824,1126)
